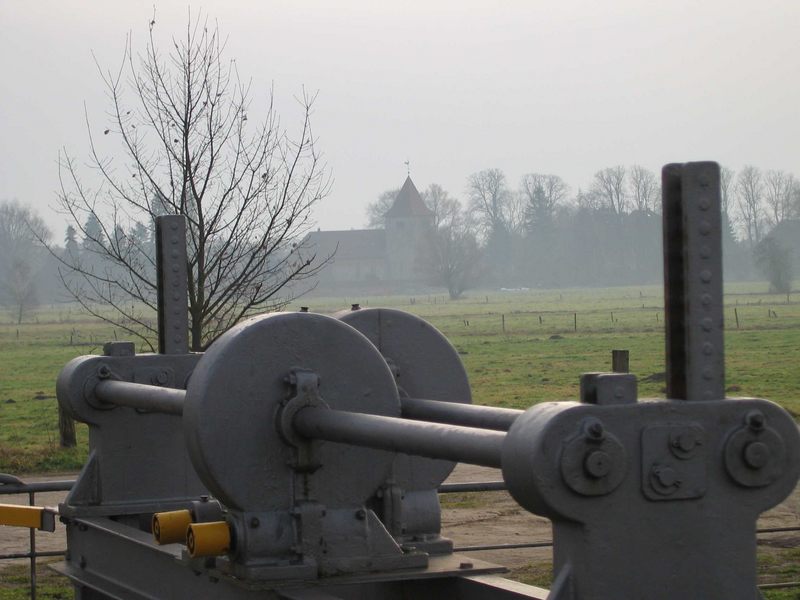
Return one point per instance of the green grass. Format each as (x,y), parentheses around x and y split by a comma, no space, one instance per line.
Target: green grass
(519,348)
(15,583)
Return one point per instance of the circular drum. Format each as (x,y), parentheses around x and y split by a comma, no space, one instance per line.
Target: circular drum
(428,367)
(237,388)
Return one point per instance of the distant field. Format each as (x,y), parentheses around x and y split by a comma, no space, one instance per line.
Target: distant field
(519,348)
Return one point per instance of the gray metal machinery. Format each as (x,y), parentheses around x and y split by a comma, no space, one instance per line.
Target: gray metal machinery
(299,457)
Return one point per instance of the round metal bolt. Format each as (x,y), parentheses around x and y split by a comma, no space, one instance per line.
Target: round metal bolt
(597,464)
(174,226)
(756,455)
(685,442)
(667,477)
(595,431)
(708,373)
(755,420)
(707,324)
(704,203)
(705,299)
(708,348)
(103,372)
(161,378)
(705,251)
(254,523)
(705,227)
(705,276)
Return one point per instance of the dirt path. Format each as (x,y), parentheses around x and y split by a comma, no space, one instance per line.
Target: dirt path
(489,518)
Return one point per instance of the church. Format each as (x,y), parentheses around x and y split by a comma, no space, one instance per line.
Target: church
(376,261)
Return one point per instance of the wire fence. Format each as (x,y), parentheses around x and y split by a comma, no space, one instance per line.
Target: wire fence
(10,485)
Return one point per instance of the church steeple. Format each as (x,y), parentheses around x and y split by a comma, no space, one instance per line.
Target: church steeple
(408,203)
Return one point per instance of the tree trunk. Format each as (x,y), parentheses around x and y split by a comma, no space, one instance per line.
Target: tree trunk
(66,429)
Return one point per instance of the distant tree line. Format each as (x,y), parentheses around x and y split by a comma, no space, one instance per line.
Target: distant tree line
(541,233)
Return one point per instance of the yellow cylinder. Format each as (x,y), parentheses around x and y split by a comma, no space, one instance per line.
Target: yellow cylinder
(208,539)
(170,527)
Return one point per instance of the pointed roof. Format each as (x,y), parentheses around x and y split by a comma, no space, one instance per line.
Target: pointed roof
(408,203)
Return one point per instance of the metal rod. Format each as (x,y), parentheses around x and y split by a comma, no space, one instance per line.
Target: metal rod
(456,413)
(473,486)
(432,440)
(142,396)
(168,400)
(503,546)
(37,486)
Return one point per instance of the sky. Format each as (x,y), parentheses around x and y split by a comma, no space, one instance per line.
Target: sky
(566,87)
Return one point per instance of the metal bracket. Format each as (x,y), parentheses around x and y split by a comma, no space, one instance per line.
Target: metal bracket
(303,392)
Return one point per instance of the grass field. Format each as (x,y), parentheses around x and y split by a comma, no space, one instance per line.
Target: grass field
(519,348)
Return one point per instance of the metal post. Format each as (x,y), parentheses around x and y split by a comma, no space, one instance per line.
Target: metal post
(620,361)
(693,281)
(32,502)
(173,283)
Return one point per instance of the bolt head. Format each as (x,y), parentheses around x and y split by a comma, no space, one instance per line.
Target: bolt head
(597,464)
(756,455)
(595,431)
(666,476)
(755,420)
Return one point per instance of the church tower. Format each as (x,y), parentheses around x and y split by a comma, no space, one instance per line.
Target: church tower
(408,224)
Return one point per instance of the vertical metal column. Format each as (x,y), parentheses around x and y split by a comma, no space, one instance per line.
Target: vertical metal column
(695,368)
(173,283)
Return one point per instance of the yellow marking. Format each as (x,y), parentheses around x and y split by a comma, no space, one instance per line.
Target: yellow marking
(15,515)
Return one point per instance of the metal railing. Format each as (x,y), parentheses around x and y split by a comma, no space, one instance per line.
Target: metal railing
(10,485)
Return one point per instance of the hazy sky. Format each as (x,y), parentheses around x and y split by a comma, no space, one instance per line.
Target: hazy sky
(456,87)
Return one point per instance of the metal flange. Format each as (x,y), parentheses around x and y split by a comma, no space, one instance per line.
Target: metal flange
(233,400)
(426,365)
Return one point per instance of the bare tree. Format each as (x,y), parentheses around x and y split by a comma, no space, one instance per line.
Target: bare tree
(645,190)
(185,144)
(489,199)
(749,198)
(609,185)
(444,208)
(727,177)
(541,194)
(453,256)
(21,255)
(779,187)
(376,210)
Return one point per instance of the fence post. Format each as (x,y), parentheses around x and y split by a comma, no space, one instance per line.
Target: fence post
(620,361)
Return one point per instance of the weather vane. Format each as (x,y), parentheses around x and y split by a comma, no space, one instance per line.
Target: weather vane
(408,167)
